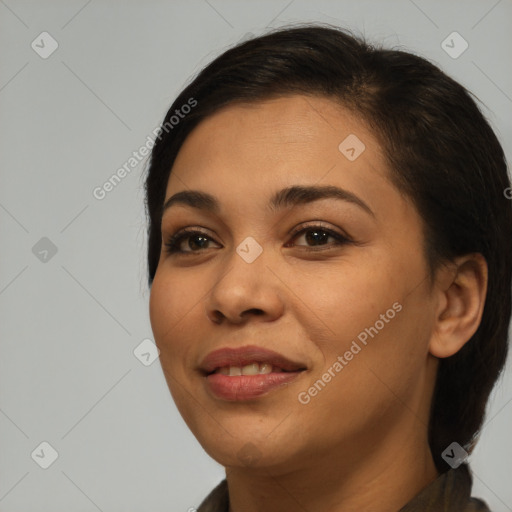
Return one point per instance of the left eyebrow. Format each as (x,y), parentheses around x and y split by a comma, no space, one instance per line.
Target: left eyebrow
(285,198)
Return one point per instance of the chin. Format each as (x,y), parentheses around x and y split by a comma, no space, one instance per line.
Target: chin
(248,446)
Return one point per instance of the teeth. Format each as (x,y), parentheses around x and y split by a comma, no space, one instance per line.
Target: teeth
(267,368)
(249,369)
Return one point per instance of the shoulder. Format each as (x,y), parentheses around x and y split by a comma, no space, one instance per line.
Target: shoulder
(451,491)
(217,500)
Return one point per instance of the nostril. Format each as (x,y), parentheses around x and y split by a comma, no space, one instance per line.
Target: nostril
(215,316)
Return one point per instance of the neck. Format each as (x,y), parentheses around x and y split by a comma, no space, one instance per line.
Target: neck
(388,474)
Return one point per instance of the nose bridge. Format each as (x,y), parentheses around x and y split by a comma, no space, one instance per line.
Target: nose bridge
(247,262)
(245,285)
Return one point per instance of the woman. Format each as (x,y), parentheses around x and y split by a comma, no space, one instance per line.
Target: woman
(330,267)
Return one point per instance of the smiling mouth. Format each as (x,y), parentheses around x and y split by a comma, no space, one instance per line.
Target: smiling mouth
(242,383)
(250,365)
(251,369)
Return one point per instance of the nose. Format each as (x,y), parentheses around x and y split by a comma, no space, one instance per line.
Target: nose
(244,290)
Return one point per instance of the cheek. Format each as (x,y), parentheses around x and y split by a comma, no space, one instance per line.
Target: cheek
(169,311)
(371,383)
(168,308)
(160,308)
(384,357)
(346,300)
(365,315)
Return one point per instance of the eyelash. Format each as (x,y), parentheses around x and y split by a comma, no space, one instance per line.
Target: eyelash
(173,242)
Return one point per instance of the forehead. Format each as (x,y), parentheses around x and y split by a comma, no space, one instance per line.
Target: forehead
(257,148)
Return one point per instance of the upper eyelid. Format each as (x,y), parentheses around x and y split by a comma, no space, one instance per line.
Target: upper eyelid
(317,224)
(298,228)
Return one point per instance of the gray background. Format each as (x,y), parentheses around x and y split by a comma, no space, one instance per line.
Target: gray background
(70,321)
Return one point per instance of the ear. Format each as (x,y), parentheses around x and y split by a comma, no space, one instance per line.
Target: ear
(461,289)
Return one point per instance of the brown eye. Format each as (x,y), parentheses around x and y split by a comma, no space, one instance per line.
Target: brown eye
(318,236)
(197,241)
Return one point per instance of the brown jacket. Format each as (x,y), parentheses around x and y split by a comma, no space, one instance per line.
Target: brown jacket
(451,492)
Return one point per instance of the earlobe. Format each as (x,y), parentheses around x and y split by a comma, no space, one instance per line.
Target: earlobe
(461,290)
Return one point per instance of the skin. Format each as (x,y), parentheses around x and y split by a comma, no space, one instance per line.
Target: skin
(360,443)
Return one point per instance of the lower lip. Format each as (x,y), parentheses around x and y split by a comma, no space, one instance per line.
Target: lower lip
(247,387)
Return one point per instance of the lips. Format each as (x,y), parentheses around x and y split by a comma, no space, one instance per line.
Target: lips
(246,355)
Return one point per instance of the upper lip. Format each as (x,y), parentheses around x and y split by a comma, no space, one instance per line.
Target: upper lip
(246,355)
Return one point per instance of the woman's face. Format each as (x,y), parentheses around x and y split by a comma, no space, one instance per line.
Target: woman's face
(358,314)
